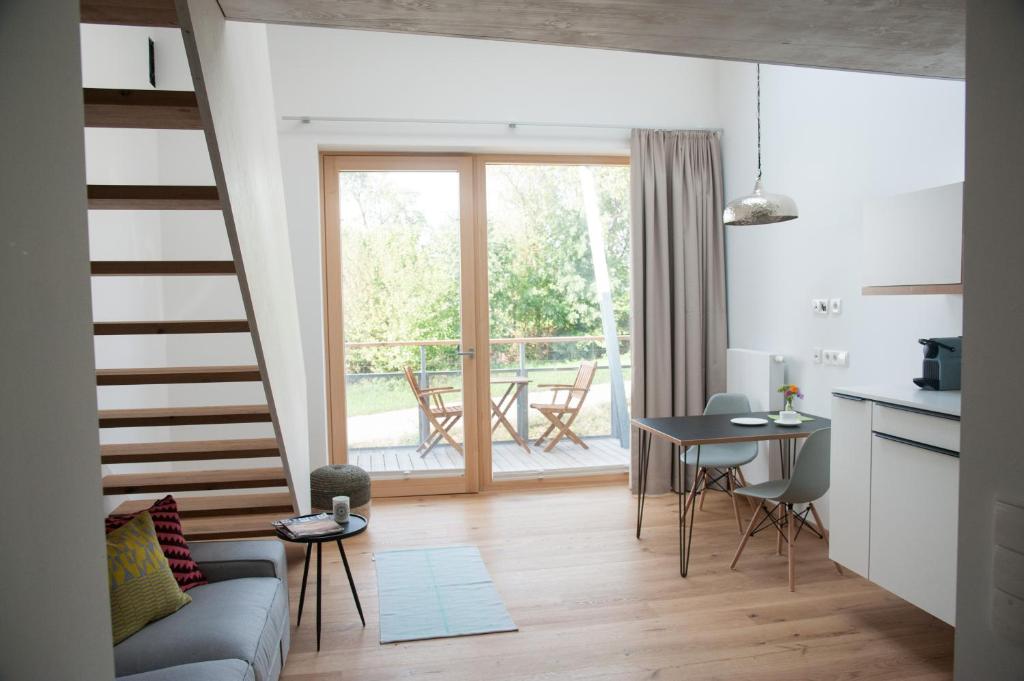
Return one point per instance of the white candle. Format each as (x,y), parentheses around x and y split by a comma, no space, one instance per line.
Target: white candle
(341,508)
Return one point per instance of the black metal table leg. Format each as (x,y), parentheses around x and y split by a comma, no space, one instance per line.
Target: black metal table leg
(685,538)
(351,582)
(319,578)
(302,593)
(644,441)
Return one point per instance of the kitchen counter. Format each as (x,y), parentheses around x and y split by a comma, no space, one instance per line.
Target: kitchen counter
(939,401)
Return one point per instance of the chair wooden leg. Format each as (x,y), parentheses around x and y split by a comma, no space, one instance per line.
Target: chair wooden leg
(703,491)
(746,535)
(699,477)
(546,432)
(735,503)
(792,547)
(778,538)
(821,529)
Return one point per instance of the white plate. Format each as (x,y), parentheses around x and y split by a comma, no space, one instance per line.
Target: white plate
(749,421)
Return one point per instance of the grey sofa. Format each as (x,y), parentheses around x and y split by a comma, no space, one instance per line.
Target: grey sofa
(235,629)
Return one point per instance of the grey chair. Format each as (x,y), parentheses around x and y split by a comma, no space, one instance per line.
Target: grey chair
(808,483)
(720,464)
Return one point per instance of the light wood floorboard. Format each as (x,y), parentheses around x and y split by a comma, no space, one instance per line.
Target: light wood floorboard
(592,602)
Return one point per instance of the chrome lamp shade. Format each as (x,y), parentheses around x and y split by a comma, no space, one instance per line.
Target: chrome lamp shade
(759,208)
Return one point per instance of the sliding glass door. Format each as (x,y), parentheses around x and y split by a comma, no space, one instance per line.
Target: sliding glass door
(476,313)
(400,304)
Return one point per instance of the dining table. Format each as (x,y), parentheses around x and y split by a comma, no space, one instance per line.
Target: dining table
(682,432)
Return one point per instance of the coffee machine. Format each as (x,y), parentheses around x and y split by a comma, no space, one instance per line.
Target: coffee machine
(941,367)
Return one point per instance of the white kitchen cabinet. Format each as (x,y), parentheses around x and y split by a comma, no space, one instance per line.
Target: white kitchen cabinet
(850,491)
(914,502)
(912,242)
(894,495)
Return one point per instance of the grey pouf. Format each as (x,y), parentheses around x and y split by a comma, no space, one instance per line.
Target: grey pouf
(335,480)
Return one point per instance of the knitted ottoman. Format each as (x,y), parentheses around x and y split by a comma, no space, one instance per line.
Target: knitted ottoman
(335,480)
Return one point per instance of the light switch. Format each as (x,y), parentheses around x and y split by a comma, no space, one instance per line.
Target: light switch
(835,306)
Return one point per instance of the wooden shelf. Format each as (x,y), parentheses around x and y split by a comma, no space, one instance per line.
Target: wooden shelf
(161,13)
(914,290)
(171,327)
(208,506)
(166,375)
(193,481)
(183,416)
(148,109)
(168,268)
(153,197)
(198,450)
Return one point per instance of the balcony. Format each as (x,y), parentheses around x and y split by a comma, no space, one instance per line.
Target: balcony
(385,424)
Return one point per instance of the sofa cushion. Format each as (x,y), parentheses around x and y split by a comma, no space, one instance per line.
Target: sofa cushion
(243,619)
(217,670)
(142,588)
(172,542)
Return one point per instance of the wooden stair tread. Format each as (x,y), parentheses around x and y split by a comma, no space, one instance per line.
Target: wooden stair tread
(169,327)
(164,375)
(279,503)
(153,197)
(194,480)
(249,525)
(150,109)
(194,450)
(183,416)
(171,268)
(160,13)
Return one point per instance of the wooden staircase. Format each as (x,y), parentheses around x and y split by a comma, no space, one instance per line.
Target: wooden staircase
(220,512)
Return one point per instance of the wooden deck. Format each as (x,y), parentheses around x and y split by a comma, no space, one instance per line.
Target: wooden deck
(510,460)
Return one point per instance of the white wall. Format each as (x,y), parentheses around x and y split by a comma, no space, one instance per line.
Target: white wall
(330,72)
(53,581)
(830,140)
(991,466)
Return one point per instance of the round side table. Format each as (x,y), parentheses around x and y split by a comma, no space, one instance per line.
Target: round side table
(356,524)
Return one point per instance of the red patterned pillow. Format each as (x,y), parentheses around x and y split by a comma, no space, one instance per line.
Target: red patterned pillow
(172,541)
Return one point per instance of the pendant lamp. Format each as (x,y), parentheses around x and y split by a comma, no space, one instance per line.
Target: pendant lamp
(759,207)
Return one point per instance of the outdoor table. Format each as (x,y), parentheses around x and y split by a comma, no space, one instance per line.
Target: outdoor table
(516,385)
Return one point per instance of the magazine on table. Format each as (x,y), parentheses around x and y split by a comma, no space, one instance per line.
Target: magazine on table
(308,525)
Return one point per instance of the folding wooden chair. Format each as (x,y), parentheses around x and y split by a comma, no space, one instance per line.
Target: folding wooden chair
(442,417)
(562,413)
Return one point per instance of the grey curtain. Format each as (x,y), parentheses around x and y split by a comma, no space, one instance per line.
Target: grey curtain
(678,282)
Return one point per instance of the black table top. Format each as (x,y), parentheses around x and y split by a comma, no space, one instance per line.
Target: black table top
(356,524)
(718,428)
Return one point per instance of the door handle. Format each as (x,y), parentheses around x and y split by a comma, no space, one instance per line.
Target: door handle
(471,353)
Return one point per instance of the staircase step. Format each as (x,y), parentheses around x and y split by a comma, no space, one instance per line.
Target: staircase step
(166,375)
(172,268)
(248,526)
(198,450)
(193,481)
(278,503)
(151,109)
(153,197)
(183,416)
(130,12)
(171,327)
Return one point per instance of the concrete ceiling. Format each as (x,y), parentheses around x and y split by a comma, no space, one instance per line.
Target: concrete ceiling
(909,37)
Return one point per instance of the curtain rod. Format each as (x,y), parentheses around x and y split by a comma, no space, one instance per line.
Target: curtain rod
(451,121)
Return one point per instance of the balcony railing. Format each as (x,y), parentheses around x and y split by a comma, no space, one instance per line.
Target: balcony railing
(618,410)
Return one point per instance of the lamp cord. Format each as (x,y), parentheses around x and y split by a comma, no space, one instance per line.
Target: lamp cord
(759,122)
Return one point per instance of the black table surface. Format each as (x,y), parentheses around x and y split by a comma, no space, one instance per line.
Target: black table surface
(718,428)
(356,524)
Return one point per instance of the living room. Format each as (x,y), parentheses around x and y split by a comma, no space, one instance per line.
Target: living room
(565,530)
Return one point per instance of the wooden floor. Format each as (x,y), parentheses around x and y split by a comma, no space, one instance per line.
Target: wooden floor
(593,602)
(604,455)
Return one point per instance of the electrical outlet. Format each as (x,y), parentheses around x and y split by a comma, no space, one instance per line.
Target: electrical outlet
(835,306)
(835,358)
(819,306)
(816,355)
(828,357)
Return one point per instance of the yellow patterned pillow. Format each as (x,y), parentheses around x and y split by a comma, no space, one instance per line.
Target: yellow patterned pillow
(142,586)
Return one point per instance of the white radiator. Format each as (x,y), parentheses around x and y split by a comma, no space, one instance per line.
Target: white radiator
(757,375)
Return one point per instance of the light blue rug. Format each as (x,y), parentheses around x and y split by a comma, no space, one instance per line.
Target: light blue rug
(436,593)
